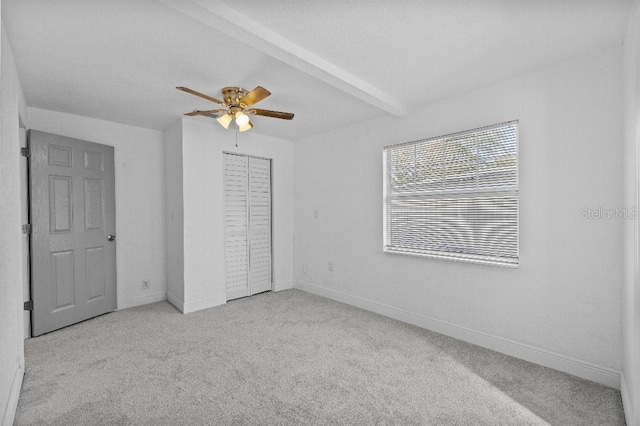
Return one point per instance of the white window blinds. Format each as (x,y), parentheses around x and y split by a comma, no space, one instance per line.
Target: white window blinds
(455,196)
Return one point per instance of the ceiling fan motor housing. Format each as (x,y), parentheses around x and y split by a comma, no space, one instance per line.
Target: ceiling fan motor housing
(232,95)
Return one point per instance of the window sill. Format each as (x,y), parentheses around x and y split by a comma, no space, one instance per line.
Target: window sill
(456,257)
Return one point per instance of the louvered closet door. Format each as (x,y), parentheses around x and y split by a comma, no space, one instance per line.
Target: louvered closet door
(247,212)
(236,216)
(259,225)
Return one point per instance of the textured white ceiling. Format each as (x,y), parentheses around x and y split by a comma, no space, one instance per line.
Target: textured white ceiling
(421,50)
(331,63)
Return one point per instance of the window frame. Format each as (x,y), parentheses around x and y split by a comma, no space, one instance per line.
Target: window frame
(513,191)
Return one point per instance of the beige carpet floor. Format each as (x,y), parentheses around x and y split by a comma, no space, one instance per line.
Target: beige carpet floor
(289,358)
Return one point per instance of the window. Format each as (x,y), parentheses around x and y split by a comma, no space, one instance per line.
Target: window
(454,196)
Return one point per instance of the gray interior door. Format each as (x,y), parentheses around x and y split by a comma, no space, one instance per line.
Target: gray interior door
(24,207)
(73,236)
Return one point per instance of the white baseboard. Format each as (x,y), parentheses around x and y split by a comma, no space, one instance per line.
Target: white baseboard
(175,301)
(576,367)
(12,404)
(627,403)
(142,300)
(280,286)
(196,305)
(204,303)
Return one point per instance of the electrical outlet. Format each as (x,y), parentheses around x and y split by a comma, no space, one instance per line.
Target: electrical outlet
(305,269)
(315,213)
(330,266)
(146,284)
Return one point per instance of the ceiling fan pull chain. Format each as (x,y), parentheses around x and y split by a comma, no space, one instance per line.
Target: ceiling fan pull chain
(236,137)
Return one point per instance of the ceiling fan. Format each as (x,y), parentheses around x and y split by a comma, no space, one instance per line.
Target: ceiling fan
(236,105)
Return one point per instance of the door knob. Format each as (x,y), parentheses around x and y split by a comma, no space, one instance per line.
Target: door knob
(111,237)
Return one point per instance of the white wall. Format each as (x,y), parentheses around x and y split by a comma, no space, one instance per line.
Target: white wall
(12,109)
(174,213)
(140,205)
(203,143)
(561,307)
(630,386)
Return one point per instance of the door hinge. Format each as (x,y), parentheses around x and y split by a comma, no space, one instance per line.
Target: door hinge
(26,228)
(28,306)
(25,152)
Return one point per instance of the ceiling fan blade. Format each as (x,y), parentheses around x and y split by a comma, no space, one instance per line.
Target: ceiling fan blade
(245,127)
(201,95)
(254,96)
(269,113)
(206,112)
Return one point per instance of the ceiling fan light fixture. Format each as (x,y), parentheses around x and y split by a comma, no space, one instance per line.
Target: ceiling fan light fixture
(225,120)
(245,127)
(242,119)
